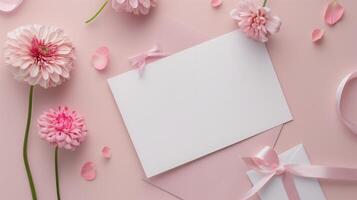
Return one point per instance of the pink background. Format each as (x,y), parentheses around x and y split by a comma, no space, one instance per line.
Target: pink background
(309,75)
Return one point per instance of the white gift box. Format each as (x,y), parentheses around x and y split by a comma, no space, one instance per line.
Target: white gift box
(307,188)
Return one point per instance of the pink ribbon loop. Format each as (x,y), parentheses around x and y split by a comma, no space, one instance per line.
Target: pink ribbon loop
(267,162)
(139,61)
(339,93)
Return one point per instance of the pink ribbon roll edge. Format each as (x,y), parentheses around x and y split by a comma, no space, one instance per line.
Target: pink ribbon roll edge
(339,94)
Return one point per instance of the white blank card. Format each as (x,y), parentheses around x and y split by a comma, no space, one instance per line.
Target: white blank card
(200,100)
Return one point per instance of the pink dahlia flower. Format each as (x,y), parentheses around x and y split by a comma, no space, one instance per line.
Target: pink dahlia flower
(256,21)
(39,55)
(62,127)
(138,7)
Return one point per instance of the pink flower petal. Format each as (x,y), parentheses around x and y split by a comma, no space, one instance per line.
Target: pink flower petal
(106,152)
(317,34)
(100,58)
(333,13)
(88,171)
(61,136)
(9,5)
(216,3)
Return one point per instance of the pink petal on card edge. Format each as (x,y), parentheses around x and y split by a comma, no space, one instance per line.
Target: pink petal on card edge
(106,153)
(333,13)
(88,171)
(100,58)
(317,35)
(9,5)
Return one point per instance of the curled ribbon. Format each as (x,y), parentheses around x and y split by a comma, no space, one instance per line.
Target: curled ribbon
(139,61)
(267,162)
(340,89)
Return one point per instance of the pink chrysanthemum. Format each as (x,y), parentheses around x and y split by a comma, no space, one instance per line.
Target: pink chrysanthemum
(256,21)
(39,55)
(62,127)
(138,7)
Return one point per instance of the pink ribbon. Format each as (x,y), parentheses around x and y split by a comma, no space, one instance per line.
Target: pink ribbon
(139,61)
(267,162)
(340,89)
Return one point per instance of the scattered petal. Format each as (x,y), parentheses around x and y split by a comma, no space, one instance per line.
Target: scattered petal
(333,13)
(216,3)
(9,5)
(88,171)
(106,153)
(100,58)
(317,34)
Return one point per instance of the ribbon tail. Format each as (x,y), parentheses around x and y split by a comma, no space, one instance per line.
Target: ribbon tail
(135,60)
(257,187)
(158,55)
(141,69)
(139,63)
(322,172)
(290,188)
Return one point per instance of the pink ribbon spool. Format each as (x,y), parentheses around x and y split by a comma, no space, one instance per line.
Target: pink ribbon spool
(347,79)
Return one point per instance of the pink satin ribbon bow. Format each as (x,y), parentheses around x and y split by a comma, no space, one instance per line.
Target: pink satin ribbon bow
(267,162)
(340,89)
(139,61)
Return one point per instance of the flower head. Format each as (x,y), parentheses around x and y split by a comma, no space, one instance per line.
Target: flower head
(137,7)
(256,21)
(39,55)
(62,127)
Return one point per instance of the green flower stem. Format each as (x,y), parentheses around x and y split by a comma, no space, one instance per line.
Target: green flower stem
(265,3)
(24,149)
(98,12)
(57,176)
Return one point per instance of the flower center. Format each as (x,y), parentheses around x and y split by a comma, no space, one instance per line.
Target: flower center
(42,53)
(64,122)
(259,19)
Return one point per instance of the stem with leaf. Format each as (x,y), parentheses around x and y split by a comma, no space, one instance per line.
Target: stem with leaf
(98,12)
(57,176)
(24,149)
(265,3)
